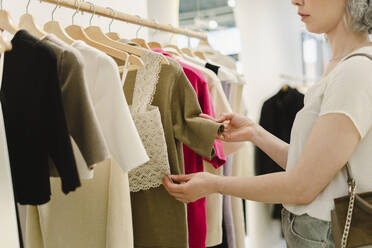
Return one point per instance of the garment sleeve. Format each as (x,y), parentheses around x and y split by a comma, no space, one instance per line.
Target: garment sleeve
(58,140)
(82,121)
(195,132)
(221,106)
(205,101)
(350,93)
(116,121)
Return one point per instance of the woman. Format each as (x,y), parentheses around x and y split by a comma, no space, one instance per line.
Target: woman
(332,128)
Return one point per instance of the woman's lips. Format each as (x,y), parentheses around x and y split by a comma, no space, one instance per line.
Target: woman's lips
(303,16)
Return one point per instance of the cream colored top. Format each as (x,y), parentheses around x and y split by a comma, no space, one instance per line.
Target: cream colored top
(346,90)
(8,224)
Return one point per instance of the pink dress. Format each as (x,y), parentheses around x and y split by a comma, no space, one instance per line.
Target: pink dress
(196,211)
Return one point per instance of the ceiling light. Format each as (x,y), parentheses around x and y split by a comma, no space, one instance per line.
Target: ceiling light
(231,3)
(212,24)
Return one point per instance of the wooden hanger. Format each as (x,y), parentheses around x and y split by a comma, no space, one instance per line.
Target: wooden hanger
(28,23)
(78,33)
(200,54)
(188,52)
(96,34)
(4,45)
(6,22)
(112,35)
(54,27)
(140,41)
(173,49)
(154,45)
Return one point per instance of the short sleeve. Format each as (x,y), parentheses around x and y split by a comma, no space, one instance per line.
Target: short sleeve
(195,132)
(349,92)
(116,121)
(81,119)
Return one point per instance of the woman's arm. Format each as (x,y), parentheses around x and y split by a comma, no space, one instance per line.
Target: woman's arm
(274,147)
(328,147)
(239,128)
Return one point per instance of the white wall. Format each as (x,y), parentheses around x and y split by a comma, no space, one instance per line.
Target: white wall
(271,44)
(42,13)
(165,12)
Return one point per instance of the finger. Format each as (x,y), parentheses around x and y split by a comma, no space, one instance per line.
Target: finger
(208,117)
(172,187)
(181,178)
(225,117)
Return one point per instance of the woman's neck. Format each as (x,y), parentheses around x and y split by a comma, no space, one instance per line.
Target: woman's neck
(343,42)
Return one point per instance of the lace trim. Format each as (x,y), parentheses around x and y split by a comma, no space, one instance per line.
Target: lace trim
(146,80)
(147,119)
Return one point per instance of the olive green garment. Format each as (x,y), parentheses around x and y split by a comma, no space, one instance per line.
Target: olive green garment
(82,121)
(158,219)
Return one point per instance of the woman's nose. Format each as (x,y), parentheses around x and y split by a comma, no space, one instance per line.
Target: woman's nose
(297,2)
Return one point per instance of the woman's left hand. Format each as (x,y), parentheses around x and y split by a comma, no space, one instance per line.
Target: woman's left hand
(191,187)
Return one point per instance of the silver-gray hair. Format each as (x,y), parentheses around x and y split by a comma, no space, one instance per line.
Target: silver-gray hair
(360,15)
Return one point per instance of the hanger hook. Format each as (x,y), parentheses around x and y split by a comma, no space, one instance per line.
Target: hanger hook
(172,35)
(92,5)
(113,16)
(55,8)
(140,25)
(77,3)
(27,6)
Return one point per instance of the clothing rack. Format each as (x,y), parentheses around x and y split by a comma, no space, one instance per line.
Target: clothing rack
(120,16)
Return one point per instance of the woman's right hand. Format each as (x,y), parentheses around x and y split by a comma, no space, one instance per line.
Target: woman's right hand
(237,128)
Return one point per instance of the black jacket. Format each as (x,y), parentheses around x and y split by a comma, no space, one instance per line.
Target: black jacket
(277,116)
(34,119)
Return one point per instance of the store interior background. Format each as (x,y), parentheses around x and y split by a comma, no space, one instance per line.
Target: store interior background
(266,38)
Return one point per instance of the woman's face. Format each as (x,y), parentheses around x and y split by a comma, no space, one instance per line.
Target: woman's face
(321,16)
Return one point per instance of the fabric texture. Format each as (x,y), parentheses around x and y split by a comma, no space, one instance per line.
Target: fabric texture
(148,122)
(196,211)
(214,202)
(346,90)
(164,224)
(8,226)
(82,121)
(95,208)
(97,215)
(111,107)
(240,166)
(277,116)
(35,122)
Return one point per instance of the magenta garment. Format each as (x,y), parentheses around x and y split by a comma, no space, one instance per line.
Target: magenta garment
(196,211)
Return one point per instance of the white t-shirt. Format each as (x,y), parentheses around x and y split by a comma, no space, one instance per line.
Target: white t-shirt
(347,89)
(111,107)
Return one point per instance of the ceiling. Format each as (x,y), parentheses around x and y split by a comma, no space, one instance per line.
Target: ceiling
(196,14)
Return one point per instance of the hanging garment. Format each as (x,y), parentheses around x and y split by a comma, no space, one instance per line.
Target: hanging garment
(240,167)
(277,116)
(148,122)
(214,202)
(35,122)
(196,211)
(82,121)
(92,212)
(228,220)
(8,224)
(159,220)
(97,215)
